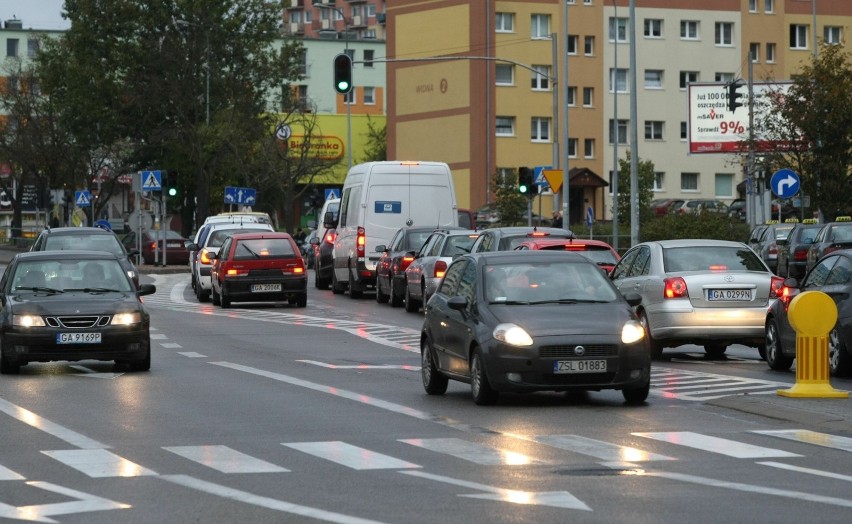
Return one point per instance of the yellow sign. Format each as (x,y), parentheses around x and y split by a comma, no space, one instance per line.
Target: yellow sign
(321,147)
(554,178)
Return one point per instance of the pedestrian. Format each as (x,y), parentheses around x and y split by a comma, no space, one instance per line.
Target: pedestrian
(557,219)
(299,236)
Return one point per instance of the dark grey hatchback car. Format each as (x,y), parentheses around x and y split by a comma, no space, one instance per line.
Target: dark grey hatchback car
(524,321)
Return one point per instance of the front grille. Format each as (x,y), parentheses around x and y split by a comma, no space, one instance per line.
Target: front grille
(78,321)
(568,379)
(567,351)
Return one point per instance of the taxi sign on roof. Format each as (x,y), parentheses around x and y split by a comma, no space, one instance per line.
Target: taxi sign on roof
(844,218)
(810,221)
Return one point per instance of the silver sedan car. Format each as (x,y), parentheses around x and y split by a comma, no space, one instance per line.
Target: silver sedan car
(707,292)
(425,272)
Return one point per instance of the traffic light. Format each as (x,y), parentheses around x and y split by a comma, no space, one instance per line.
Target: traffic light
(169,184)
(525,180)
(734,95)
(342,73)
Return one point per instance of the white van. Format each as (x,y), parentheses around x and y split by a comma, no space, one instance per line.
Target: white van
(378,199)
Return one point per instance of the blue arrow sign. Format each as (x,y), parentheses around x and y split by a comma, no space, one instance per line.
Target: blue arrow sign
(240,195)
(82,198)
(231,195)
(152,181)
(785,183)
(590,216)
(249,196)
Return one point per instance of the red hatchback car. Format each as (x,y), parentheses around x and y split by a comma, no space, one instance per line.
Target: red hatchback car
(597,251)
(259,267)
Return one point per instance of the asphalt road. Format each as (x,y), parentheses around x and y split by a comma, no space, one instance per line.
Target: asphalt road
(276,414)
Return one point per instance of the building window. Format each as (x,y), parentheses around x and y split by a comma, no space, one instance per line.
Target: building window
(770,53)
(798,36)
(754,52)
(371,10)
(689,181)
(571,97)
(653,79)
(572,148)
(686,77)
(588,96)
(688,30)
(573,43)
(622,131)
(653,28)
(724,33)
(505,126)
(768,6)
(370,96)
(540,26)
(540,129)
(684,131)
(504,23)
(541,77)
(725,77)
(12,47)
(617,29)
(505,75)
(752,6)
(653,130)
(303,63)
(589,45)
(724,185)
(618,78)
(659,179)
(832,34)
(349,98)
(33,46)
(368,57)
(589,148)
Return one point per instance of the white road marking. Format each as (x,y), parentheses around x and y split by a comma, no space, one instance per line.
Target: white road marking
(359,366)
(99,463)
(91,373)
(192,354)
(264,502)
(809,471)
(85,503)
(8,474)
(750,488)
(225,459)
(170,345)
(718,445)
(350,456)
(811,437)
(158,336)
(597,448)
(473,452)
(556,499)
(62,433)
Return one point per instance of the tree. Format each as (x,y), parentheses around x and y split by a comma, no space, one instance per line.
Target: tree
(377,142)
(511,205)
(646,184)
(812,123)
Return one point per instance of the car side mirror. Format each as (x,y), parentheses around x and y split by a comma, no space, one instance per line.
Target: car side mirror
(381,248)
(146,289)
(315,241)
(132,253)
(329,221)
(192,246)
(458,303)
(632,298)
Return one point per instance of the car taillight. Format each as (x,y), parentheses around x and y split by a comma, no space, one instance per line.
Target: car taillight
(800,255)
(775,287)
(204,257)
(405,262)
(831,249)
(234,272)
(361,243)
(773,249)
(786,295)
(153,246)
(329,237)
(675,287)
(718,267)
(296,268)
(538,234)
(440,269)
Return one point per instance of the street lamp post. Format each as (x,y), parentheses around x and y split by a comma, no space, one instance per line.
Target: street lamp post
(347,100)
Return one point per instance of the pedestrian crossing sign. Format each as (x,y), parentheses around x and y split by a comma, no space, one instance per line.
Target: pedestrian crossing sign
(332,193)
(82,198)
(152,181)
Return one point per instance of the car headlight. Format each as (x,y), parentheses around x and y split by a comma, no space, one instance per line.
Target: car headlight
(125,319)
(513,335)
(27,321)
(632,332)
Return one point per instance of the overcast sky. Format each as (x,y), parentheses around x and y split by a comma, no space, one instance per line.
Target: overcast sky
(35,14)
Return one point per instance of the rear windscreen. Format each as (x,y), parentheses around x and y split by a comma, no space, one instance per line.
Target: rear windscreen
(263,248)
(710,258)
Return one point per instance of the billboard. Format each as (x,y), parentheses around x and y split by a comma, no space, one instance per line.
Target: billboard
(715,129)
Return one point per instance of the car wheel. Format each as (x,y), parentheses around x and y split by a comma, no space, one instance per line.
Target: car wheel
(434,382)
(224,300)
(381,297)
(7,366)
(214,297)
(761,350)
(336,287)
(143,364)
(319,282)
(636,395)
(656,347)
(839,360)
(200,294)
(354,290)
(715,349)
(396,297)
(411,305)
(481,390)
(302,301)
(774,355)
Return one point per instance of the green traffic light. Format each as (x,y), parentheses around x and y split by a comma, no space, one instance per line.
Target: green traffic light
(172,191)
(343,86)
(522,188)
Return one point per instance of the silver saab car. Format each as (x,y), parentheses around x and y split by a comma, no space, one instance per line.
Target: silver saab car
(706,292)
(423,275)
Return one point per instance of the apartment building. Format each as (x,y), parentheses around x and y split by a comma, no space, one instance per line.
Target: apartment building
(488,106)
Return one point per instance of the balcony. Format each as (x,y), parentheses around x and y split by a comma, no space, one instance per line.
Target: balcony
(380,18)
(326,25)
(297,28)
(358,21)
(296,4)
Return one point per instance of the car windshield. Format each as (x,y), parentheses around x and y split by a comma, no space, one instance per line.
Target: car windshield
(69,275)
(218,237)
(414,241)
(554,282)
(458,245)
(108,243)
(710,258)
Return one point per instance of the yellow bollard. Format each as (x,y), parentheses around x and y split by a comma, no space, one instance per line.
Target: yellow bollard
(813,315)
